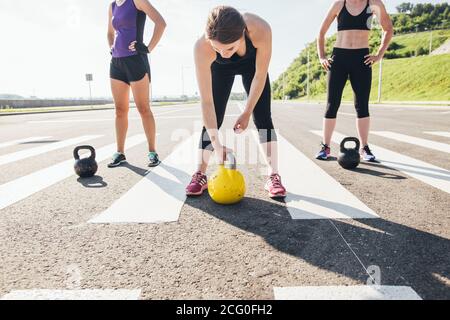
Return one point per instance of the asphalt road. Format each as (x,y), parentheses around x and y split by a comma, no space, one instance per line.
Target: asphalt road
(149,242)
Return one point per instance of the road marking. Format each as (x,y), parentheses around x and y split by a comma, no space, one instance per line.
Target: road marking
(159,196)
(447,112)
(313,194)
(347,114)
(422,171)
(346,293)
(73,295)
(28,153)
(439,133)
(429,144)
(157,115)
(26,140)
(19,189)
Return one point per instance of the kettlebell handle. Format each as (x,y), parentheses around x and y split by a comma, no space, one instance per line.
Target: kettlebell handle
(350,139)
(230,163)
(76,152)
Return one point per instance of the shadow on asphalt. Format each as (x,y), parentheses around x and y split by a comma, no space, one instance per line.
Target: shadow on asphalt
(405,256)
(94,183)
(39,142)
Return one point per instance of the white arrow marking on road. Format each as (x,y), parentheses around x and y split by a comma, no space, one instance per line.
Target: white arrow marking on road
(28,153)
(442,147)
(439,133)
(19,189)
(26,140)
(73,295)
(422,171)
(160,196)
(346,293)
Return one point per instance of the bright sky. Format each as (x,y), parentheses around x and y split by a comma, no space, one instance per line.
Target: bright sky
(48,46)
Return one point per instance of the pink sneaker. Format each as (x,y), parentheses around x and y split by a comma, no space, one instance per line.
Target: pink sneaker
(198,185)
(275,187)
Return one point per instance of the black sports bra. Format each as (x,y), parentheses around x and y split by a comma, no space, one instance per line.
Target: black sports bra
(347,21)
(250,54)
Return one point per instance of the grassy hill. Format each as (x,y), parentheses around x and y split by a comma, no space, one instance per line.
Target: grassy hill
(408,79)
(418,77)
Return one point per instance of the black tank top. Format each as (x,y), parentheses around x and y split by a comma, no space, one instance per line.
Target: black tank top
(250,54)
(347,21)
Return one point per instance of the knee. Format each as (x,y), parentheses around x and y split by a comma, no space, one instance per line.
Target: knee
(145,111)
(121,111)
(331,112)
(363,112)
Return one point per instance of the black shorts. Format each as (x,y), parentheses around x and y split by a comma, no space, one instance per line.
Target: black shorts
(130,69)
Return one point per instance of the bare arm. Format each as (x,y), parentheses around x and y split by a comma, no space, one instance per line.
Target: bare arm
(204,57)
(331,15)
(158,20)
(111,33)
(386,25)
(263,43)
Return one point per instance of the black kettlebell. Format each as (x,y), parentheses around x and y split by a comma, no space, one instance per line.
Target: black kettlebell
(349,158)
(87,167)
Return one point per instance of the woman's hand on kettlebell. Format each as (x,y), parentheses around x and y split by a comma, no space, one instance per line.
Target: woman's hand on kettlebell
(221,153)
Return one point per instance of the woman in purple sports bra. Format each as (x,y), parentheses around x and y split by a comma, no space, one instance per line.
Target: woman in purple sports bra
(130,68)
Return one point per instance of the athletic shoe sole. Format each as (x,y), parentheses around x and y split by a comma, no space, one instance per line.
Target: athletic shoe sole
(117,165)
(190,194)
(151,165)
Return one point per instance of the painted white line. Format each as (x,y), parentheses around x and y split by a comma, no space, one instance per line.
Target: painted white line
(347,114)
(159,196)
(312,193)
(429,144)
(73,295)
(439,133)
(346,293)
(80,120)
(24,154)
(422,171)
(447,112)
(26,140)
(157,115)
(19,189)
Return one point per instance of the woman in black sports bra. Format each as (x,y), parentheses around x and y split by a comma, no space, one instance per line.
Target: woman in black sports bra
(351,59)
(235,44)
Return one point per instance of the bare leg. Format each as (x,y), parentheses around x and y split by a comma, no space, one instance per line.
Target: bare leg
(141,93)
(328,128)
(363,126)
(204,158)
(121,94)
(270,150)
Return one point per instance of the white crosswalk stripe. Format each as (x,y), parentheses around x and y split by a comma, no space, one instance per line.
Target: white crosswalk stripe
(158,197)
(28,153)
(346,293)
(21,188)
(422,171)
(88,294)
(26,140)
(439,133)
(438,146)
(312,193)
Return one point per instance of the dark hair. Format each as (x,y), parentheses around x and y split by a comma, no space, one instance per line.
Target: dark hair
(225,24)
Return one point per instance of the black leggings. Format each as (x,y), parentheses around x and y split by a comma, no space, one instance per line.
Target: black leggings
(222,83)
(349,63)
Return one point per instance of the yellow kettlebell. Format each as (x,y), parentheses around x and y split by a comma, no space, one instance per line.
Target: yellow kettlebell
(227,185)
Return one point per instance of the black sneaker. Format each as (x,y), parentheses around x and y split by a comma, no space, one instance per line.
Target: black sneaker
(367,154)
(153,160)
(117,159)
